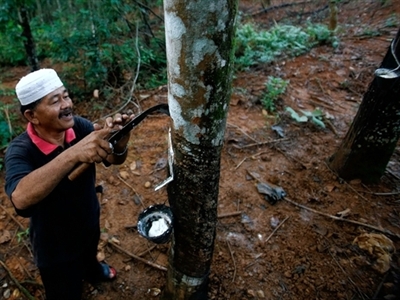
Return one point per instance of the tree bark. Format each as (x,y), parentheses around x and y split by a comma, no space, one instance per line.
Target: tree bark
(29,42)
(372,137)
(199,43)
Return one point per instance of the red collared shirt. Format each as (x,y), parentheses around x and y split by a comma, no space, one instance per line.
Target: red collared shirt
(45,146)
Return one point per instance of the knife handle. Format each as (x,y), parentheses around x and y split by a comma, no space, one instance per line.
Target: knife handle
(78,171)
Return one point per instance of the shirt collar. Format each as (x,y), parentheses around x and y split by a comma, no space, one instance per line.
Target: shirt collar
(45,146)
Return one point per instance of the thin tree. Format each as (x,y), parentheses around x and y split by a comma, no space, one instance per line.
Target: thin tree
(199,43)
(372,137)
(29,41)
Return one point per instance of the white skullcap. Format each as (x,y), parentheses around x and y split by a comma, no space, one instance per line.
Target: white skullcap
(36,85)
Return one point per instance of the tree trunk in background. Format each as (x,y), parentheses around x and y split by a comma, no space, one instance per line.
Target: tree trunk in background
(39,10)
(372,137)
(199,42)
(29,42)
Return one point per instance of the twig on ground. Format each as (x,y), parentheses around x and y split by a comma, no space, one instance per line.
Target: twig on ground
(131,187)
(233,259)
(320,86)
(26,271)
(351,281)
(239,164)
(275,230)
(242,131)
(162,268)
(254,261)
(148,250)
(378,290)
(232,214)
(384,194)
(261,143)
(132,226)
(20,287)
(291,158)
(13,218)
(342,219)
(330,125)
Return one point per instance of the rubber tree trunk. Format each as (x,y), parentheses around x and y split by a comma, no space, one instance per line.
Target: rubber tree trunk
(199,43)
(372,137)
(29,42)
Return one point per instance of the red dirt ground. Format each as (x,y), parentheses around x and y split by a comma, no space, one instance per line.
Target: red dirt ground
(294,249)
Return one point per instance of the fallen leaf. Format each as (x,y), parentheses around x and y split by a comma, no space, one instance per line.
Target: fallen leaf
(330,187)
(124,175)
(5,236)
(379,247)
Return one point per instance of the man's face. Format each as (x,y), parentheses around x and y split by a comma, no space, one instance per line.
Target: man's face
(54,111)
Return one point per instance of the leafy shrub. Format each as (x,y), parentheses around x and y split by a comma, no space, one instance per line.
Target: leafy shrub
(254,46)
(275,87)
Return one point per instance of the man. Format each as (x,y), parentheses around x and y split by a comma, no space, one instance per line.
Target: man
(64,214)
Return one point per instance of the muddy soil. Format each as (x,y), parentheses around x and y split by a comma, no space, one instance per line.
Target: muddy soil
(326,239)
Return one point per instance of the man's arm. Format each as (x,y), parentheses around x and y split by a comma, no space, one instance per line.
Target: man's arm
(35,186)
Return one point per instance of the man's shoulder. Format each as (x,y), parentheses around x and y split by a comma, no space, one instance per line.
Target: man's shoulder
(22,139)
(82,125)
(20,144)
(81,121)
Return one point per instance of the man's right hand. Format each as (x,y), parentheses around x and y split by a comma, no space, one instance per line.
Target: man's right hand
(94,148)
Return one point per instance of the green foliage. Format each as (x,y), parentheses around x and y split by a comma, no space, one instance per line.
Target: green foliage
(22,235)
(275,87)
(6,132)
(315,116)
(254,46)
(101,46)
(96,41)
(11,45)
(7,117)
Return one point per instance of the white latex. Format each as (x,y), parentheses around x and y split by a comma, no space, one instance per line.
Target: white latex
(158,228)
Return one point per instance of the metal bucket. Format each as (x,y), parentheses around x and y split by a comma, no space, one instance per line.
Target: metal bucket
(155,223)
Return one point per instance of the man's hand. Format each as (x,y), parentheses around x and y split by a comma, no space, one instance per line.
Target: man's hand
(116,123)
(94,148)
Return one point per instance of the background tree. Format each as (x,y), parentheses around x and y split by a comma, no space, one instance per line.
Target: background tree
(372,137)
(29,42)
(199,39)
(14,17)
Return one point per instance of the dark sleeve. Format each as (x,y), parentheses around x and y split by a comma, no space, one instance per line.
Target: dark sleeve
(18,164)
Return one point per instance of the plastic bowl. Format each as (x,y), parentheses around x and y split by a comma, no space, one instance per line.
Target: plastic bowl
(155,223)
